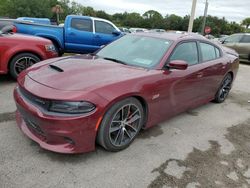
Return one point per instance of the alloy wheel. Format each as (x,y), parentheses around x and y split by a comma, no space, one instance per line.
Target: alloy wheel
(125,125)
(23,63)
(225,88)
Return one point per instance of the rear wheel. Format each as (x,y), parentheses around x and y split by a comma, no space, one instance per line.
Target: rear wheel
(21,62)
(224,89)
(121,124)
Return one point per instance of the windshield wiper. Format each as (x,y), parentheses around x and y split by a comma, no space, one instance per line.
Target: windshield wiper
(115,60)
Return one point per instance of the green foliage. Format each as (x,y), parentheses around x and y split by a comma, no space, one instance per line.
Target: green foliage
(34,8)
(102,14)
(150,19)
(246,22)
(173,22)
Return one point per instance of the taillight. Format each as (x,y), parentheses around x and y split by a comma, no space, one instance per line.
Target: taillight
(14,30)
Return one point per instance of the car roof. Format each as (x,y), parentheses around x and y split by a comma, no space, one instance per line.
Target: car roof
(241,34)
(173,36)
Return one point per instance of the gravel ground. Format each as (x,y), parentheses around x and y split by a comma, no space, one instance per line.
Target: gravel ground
(206,147)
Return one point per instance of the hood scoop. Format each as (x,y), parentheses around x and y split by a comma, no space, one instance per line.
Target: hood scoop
(54,67)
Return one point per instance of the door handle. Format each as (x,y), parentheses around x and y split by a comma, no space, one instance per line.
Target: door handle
(199,75)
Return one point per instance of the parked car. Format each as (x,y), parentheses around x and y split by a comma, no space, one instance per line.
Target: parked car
(124,30)
(11,22)
(6,22)
(18,52)
(222,38)
(68,104)
(157,30)
(240,43)
(80,34)
(45,21)
(138,30)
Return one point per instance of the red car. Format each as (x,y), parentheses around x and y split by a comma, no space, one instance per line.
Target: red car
(70,103)
(18,52)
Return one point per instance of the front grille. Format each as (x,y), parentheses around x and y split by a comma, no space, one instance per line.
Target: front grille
(40,102)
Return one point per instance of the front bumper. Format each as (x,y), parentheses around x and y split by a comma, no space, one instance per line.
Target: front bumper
(50,54)
(54,133)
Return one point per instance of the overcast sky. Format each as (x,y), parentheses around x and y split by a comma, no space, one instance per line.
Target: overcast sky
(232,10)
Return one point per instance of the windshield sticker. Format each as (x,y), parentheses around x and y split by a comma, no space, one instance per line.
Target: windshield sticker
(143,61)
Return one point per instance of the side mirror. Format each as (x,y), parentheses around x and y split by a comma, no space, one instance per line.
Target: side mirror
(178,64)
(223,42)
(116,33)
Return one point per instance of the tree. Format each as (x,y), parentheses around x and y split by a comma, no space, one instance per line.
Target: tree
(133,20)
(27,8)
(153,19)
(102,14)
(3,5)
(89,11)
(150,19)
(246,22)
(172,22)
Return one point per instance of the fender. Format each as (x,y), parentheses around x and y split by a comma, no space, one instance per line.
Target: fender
(11,52)
(52,38)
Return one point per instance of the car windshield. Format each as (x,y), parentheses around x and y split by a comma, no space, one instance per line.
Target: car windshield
(136,50)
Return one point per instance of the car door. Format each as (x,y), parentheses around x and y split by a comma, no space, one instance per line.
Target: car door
(180,89)
(212,68)
(104,33)
(79,36)
(232,41)
(243,47)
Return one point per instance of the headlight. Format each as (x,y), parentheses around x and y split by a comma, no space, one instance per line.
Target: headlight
(50,47)
(71,107)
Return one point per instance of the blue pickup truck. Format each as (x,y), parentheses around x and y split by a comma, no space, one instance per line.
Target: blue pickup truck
(80,34)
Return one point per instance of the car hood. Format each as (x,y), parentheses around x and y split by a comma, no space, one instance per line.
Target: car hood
(24,38)
(84,73)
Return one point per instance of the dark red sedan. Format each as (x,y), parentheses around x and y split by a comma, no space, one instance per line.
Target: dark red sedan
(70,103)
(18,52)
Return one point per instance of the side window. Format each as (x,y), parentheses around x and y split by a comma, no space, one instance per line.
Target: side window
(208,52)
(233,39)
(187,52)
(217,52)
(246,39)
(103,27)
(82,24)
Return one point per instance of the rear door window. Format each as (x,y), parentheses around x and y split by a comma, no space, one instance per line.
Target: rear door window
(209,52)
(246,39)
(82,24)
(217,53)
(187,51)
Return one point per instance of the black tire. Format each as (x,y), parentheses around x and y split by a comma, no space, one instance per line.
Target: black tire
(224,89)
(21,62)
(126,117)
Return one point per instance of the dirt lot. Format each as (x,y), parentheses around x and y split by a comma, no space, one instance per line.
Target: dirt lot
(206,147)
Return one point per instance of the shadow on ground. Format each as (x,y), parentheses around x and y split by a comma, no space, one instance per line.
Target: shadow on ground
(6,79)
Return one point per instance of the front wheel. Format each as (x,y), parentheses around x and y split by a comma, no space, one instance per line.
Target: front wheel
(121,124)
(224,89)
(21,62)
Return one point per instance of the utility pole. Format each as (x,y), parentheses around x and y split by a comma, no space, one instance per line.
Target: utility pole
(204,18)
(191,20)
